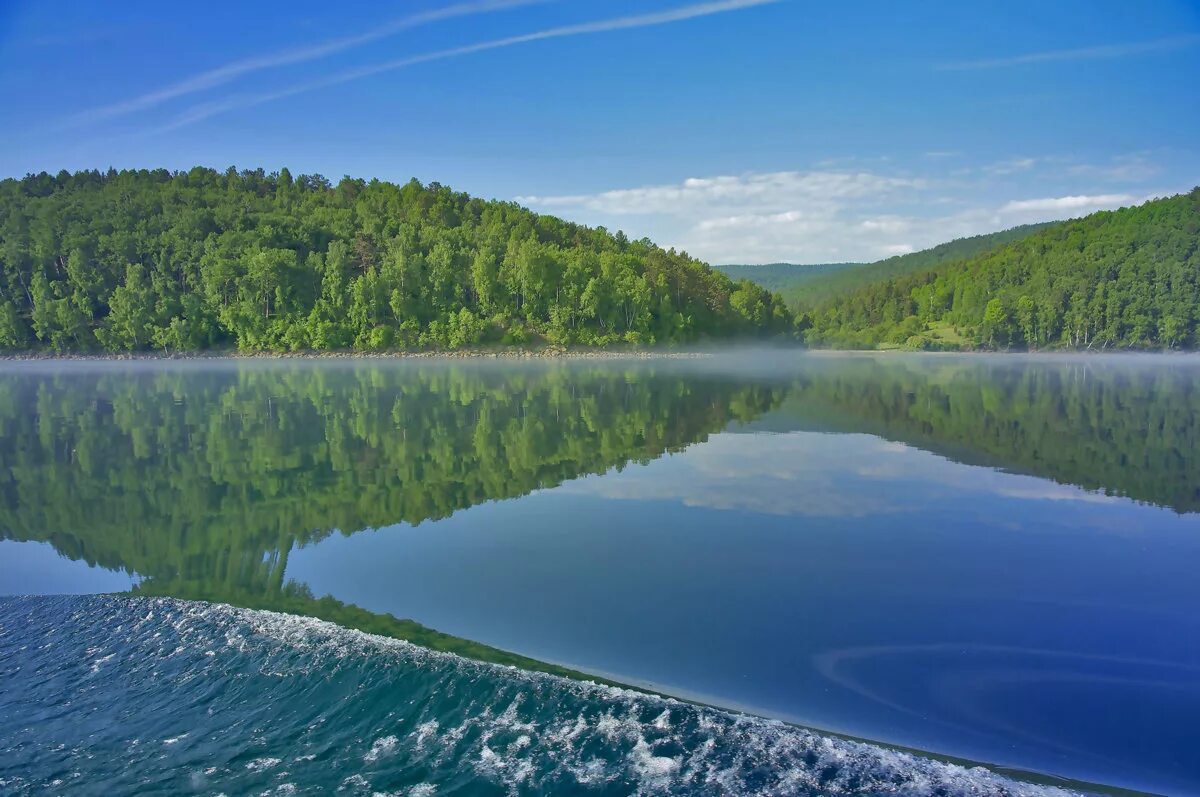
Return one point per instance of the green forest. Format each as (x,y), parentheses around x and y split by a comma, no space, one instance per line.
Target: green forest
(1120,279)
(172,262)
(185,261)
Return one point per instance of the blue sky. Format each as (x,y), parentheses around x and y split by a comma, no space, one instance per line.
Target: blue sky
(739,130)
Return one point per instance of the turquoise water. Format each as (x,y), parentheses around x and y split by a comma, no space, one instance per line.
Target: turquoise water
(987,558)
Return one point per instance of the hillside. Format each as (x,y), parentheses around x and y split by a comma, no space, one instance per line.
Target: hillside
(1117,279)
(807,286)
(184,261)
(811,293)
(783,277)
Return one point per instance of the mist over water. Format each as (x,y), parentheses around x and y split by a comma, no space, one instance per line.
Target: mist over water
(980,556)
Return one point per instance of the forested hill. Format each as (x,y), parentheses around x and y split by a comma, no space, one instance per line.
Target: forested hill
(808,286)
(1117,279)
(812,292)
(184,261)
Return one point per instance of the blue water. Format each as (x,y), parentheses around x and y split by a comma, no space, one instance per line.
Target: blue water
(170,697)
(991,559)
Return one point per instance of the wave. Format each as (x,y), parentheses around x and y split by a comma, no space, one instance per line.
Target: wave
(114,695)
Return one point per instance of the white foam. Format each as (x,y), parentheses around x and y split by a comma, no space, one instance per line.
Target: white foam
(266,762)
(98,663)
(654,769)
(281,790)
(382,747)
(426,731)
(666,744)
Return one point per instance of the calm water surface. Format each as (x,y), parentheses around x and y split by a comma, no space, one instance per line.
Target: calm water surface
(988,558)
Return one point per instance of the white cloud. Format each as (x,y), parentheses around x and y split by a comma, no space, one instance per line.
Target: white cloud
(887,224)
(747,192)
(836,215)
(758,217)
(1067,203)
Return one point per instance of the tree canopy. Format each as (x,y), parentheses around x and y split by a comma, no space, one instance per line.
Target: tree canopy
(183,261)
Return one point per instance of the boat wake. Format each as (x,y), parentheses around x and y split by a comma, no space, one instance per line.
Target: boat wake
(117,695)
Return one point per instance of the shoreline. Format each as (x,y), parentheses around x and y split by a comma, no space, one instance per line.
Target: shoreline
(548,352)
(559,353)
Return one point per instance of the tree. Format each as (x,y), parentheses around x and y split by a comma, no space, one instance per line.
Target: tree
(13,334)
(130,322)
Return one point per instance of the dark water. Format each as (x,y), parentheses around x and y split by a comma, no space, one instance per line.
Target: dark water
(983,557)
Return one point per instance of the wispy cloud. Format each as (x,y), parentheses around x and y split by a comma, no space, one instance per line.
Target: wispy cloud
(1080,53)
(236,69)
(1131,167)
(621,23)
(1011,166)
(1079,202)
(748,192)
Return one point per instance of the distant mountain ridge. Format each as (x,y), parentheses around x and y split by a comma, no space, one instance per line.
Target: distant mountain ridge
(806,286)
(845,280)
(780,277)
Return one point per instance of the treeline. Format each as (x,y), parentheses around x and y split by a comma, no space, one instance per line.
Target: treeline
(183,261)
(1117,279)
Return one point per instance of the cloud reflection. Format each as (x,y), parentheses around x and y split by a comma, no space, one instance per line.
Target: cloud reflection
(817,474)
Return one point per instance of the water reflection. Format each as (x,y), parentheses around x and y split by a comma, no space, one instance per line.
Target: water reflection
(208,476)
(831,553)
(1121,425)
(202,480)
